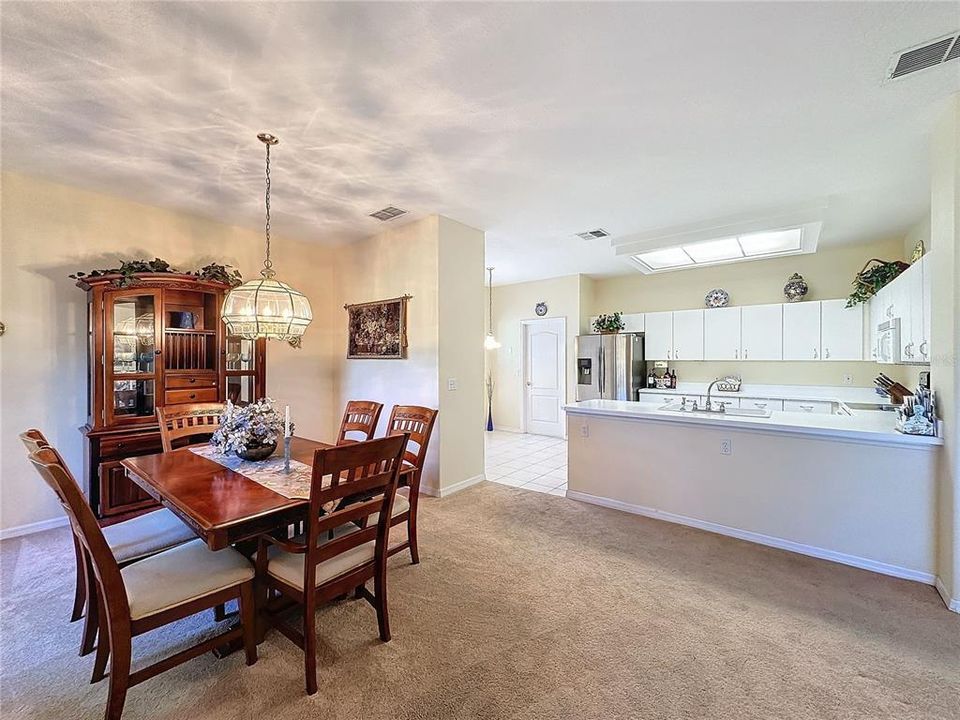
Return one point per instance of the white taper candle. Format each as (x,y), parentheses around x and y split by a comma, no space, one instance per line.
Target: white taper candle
(286,422)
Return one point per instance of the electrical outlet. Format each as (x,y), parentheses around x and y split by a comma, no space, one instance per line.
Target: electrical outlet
(584,431)
(848,379)
(726,447)
(451,383)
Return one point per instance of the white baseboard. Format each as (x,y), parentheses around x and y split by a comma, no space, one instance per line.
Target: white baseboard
(507,429)
(31,528)
(449,490)
(952,603)
(769,540)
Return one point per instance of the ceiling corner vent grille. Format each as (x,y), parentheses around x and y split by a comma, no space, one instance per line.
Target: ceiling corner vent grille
(927,55)
(593,234)
(388,213)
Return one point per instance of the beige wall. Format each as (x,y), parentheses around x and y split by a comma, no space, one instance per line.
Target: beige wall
(511,304)
(461,310)
(50,231)
(874,504)
(944,369)
(440,263)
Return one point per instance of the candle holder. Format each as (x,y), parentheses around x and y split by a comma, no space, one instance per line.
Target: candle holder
(286,453)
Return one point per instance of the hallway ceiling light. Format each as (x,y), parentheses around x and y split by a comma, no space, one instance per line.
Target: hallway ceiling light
(266,308)
(490,342)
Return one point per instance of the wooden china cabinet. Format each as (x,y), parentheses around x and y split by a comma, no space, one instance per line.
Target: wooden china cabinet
(154,343)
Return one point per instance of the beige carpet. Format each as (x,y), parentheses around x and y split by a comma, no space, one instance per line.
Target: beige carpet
(528,606)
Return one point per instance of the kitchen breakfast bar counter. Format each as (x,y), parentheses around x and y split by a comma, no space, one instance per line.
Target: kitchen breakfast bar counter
(847,488)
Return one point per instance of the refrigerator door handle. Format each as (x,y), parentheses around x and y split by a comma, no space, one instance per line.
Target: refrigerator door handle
(602,370)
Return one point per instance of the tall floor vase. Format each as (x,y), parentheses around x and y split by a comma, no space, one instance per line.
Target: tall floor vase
(490,417)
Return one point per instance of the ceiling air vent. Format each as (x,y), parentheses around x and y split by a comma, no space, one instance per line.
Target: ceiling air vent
(388,213)
(930,54)
(593,234)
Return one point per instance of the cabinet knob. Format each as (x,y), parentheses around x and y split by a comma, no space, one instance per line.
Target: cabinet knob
(193,396)
(826,353)
(193,380)
(814,353)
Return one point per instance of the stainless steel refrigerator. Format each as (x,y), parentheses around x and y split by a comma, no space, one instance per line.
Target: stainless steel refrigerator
(610,367)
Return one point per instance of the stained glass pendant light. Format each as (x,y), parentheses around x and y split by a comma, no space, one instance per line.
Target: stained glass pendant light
(266,308)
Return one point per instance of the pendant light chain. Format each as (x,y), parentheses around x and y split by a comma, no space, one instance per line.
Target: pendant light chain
(490,301)
(267,271)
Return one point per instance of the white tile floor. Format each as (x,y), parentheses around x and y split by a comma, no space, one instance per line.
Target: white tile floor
(531,462)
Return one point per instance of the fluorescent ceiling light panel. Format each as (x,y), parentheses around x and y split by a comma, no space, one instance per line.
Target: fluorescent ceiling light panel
(772,243)
(666,258)
(714,250)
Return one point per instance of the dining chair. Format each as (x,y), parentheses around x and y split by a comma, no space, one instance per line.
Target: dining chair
(178,422)
(153,592)
(417,422)
(349,483)
(360,416)
(129,541)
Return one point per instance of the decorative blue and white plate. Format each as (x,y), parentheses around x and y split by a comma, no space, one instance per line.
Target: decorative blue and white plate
(717,298)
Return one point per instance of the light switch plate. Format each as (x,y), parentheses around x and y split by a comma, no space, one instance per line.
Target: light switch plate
(726,447)
(451,383)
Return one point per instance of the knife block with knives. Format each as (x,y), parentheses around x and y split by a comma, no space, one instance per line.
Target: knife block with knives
(895,390)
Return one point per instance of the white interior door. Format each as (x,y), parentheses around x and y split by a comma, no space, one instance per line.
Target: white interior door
(544,350)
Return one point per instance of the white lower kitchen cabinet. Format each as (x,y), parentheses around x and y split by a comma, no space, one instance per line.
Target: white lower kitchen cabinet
(823,407)
(761,332)
(688,335)
(841,331)
(721,334)
(801,331)
(658,342)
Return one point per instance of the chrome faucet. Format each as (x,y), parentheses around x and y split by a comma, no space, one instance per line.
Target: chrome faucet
(709,406)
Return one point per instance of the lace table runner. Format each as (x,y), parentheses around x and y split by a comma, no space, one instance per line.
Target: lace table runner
(268,473)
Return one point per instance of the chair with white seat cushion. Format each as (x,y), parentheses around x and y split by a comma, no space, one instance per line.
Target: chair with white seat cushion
(153,592)
(357,480)
(129,541)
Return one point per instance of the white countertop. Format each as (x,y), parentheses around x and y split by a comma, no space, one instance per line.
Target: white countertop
(836,393)
(869,426)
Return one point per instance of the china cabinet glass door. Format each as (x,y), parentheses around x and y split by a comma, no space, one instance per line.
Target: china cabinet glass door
(132,355)
(243,357)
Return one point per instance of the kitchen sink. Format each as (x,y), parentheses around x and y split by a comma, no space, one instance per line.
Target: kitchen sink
(732,412)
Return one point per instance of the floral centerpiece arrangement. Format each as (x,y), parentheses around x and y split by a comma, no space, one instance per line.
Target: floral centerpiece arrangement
(249,431)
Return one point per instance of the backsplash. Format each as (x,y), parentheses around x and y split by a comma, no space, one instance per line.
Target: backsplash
(795,373)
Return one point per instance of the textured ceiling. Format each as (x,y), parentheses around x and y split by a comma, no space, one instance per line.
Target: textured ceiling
(530,121)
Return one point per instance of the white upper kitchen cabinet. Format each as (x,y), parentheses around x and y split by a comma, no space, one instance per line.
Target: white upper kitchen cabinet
(633,322)
(659,336)
(721,334)
(841,331)
(801,331)
(761,332)
(688,335)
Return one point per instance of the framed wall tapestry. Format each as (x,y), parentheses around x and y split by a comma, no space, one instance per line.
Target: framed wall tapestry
(377,329)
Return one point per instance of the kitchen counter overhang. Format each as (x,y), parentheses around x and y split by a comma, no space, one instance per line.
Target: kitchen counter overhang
(860,426)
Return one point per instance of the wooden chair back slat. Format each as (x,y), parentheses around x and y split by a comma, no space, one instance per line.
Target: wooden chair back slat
(367,472)
(178,422)
(55,473)
(33,440)
(417,422)
(359,416)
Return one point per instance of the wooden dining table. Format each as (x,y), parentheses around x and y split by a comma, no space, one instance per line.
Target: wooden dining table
(220,505)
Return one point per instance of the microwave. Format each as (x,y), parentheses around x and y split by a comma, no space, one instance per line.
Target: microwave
(888,341)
